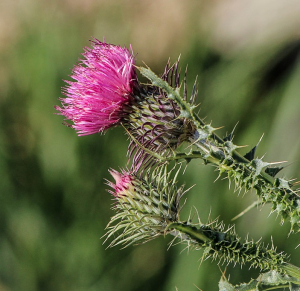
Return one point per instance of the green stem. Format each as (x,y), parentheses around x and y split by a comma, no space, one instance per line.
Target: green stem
(194,233)
(221,244)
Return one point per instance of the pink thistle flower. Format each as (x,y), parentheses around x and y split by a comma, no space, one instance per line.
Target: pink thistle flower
(105,92)
(100,96)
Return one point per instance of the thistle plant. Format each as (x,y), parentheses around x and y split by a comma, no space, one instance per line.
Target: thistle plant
(158,117)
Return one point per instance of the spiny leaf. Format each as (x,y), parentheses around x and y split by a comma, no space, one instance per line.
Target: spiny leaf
(273,171)
(250,155)
(228,137)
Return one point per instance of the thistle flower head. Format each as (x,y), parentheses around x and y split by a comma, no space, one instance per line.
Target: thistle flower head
(144,207)
(105,92)
(103,87)
(156,124)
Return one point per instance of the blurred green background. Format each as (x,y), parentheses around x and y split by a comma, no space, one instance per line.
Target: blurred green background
(53,202)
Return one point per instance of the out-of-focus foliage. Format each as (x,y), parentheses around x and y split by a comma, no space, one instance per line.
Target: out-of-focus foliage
(54,206)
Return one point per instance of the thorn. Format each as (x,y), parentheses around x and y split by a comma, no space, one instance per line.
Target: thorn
(260,139)
(250,155)
(214,128)
(231,136)
(241,146)
(277,163)
(197,287)
(184,85)
(194,92)
(295,184)
(254,204)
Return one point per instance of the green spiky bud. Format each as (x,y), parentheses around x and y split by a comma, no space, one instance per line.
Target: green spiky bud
(145,207)
(155,122)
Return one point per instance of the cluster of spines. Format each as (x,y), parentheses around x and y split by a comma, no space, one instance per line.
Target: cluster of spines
(254,173)
(284,200)
(155,123)
(146,211)
(155,126)
(247,172)
(227,247)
